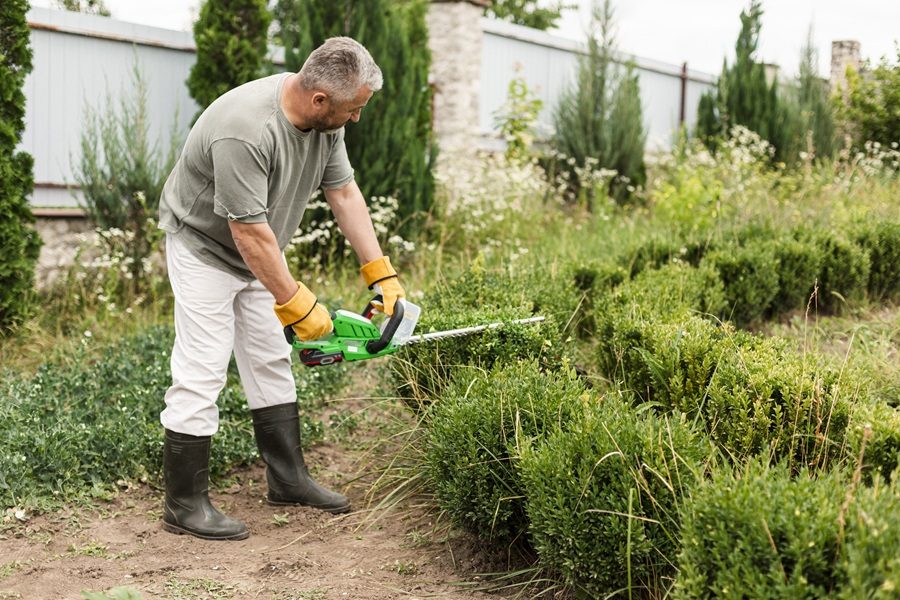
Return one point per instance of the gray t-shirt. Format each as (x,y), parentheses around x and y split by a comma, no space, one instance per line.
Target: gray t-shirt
(244,161)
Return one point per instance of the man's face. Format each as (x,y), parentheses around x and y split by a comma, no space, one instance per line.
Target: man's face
(339,113)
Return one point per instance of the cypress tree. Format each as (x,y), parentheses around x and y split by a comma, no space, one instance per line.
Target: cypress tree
(816,117)
(743,97)
(600,116)
(231,38)
(19,242)
(391,148)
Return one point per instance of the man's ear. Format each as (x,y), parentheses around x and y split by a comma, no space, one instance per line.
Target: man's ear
(319,99)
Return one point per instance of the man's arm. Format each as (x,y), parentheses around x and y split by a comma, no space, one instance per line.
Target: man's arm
(257,244)
(352,215)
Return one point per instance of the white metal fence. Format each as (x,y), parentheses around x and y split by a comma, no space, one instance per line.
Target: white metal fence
(80,59)
(548,64)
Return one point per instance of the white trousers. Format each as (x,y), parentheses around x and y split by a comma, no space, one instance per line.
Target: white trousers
(217,313)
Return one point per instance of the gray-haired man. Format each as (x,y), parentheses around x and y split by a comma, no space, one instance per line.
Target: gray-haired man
(231,204)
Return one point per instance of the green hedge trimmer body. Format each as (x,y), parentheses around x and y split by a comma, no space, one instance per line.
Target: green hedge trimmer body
(356,337)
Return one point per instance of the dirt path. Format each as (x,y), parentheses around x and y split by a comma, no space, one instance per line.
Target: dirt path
(293,553)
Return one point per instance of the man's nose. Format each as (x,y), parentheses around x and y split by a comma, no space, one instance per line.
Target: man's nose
(355,116)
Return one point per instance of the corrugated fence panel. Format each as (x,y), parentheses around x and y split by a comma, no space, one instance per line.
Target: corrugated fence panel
(548,65)
(80,62)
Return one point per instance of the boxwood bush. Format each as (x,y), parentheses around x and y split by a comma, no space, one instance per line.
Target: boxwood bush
(750,275)
(603,498)
(844,275)
(480,296)
(475,432)
(799,264)
(762,533)
(881,240)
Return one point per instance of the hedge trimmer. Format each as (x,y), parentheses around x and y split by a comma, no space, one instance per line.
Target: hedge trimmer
(356,337)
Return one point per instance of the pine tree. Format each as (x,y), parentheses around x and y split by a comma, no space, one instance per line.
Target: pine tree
(231,38)
(19,242)
(600,116)
(743,97)
(391,147)
(816,117)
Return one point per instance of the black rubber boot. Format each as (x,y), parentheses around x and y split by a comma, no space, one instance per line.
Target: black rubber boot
(187,508)
(277,430)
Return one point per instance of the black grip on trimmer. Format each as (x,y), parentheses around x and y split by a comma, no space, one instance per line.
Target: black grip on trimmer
(376,346)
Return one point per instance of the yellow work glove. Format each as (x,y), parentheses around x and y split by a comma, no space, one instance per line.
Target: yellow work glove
(305,315)
(381,278)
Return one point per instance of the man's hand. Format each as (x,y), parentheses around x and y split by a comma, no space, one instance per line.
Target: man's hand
(381,277)
(305,315)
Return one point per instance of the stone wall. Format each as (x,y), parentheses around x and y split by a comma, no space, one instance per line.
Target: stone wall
(844,53)
(455,42)
(60,235)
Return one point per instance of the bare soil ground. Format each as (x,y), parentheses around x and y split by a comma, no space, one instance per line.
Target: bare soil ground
(293,553)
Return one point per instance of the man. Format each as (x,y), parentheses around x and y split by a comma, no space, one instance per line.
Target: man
(230,206)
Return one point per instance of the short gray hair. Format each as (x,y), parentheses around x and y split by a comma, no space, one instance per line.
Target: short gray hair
(340,67)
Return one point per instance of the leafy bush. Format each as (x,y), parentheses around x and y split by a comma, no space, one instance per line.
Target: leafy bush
(603,497)
(19,242)
(474,435)
(881,240)
(874,437)
(870,559)
(799,264)
(845,271)
(867,109)
(81,427)
(760,534)
(750,276)
(480,296)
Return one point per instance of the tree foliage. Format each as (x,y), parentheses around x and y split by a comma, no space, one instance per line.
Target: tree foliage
(869,109)
(744,97)
(530,13)
(391,148)
(600,117)
(91,7)
(231,38)
(815,112)
(19,242)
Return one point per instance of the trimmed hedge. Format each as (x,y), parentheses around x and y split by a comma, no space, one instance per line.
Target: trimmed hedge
(603,497)
(474,435)
(765,534)
(881,240)
(479,297)
(750,276)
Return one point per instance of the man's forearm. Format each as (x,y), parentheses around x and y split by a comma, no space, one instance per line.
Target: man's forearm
(352,216)
(258,247)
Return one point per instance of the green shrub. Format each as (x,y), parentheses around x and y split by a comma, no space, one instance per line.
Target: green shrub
(19,242)
(870,557)
(874,436)
(80,427)
(765,534)
(477,297)
(603,498)
(881,240)
(750,276)
(475,432)
(765,399)
(760,534)
(799,264)
(845,271)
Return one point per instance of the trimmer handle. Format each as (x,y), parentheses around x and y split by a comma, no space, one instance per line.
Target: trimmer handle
(387,334)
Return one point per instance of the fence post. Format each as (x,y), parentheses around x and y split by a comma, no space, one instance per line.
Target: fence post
(683,102)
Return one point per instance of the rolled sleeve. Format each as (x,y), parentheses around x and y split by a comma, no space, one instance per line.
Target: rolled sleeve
(241,181)
(338,171)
